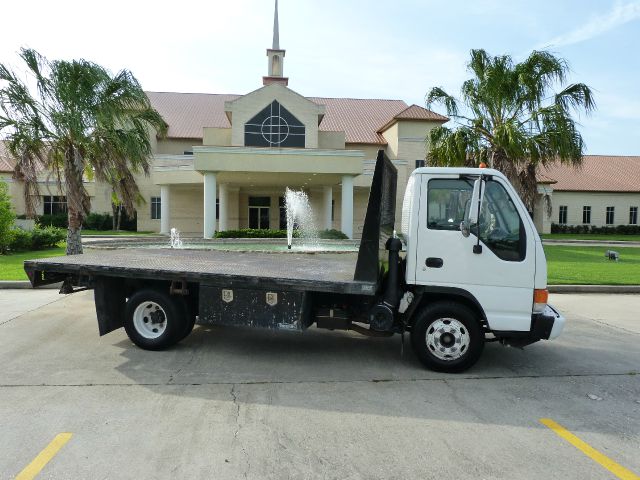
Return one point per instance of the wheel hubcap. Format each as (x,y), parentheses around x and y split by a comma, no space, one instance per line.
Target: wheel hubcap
(150,320)
(447,339)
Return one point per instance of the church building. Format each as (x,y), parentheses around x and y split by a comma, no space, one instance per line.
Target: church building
(227,159)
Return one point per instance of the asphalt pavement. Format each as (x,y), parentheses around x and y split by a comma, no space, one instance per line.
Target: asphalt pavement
(234,403)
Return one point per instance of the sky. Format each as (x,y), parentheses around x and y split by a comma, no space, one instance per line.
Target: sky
(346,48)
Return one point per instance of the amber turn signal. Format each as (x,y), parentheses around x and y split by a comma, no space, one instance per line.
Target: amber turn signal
(540,296)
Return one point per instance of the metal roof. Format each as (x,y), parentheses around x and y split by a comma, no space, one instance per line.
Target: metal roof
(361,119)
(599,173)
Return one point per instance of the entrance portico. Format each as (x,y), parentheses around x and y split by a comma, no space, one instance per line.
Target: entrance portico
(247,169)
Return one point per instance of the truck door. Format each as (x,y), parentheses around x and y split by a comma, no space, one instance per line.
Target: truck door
(501,277)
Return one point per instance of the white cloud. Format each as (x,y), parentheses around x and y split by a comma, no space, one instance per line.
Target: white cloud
(599,24)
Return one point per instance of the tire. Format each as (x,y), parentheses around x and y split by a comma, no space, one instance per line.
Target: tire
(154,320)
(447,337)
(190,321)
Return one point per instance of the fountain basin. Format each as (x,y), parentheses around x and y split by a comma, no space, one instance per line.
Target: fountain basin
(263,245)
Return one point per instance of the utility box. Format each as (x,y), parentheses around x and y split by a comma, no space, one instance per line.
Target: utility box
(276,309)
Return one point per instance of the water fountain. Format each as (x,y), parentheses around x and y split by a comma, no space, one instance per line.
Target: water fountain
(300,217)
(175,241)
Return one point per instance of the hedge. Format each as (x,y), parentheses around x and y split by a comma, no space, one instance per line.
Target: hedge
(93,221)
(261,233)
(592,229)
(254,233)
(38,239)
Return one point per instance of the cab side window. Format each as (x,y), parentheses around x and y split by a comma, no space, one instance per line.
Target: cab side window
(501,228)
(447,202)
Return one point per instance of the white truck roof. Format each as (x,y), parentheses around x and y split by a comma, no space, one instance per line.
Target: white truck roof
(457,171)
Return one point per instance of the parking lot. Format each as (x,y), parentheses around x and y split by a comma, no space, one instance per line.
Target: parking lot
(233,403)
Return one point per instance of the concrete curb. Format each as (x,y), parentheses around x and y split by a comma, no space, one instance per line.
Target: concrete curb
(591,243)
(9,285)
(594,288)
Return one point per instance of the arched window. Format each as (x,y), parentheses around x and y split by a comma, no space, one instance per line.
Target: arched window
(274,126)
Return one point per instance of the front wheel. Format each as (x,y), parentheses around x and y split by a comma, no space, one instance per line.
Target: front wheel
(447,337)
(153,320)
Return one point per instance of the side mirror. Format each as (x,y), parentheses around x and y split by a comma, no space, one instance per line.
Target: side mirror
(465,228)
(475,207)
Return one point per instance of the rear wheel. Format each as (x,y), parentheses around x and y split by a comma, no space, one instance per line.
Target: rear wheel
(447,337)
(154,320)
(190,321)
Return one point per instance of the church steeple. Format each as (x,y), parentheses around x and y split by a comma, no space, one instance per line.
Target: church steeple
(276,30)
(275,56)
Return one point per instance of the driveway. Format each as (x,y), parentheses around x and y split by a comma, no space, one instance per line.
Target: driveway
(232,403)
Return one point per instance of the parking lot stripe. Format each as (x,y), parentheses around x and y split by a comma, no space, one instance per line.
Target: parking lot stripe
(38,463)
(618,470)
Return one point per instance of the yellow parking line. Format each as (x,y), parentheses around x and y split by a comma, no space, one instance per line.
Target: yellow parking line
(618,470)
(38,463)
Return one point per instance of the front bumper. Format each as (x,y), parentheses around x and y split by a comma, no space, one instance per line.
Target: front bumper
(558,323)
(545,325)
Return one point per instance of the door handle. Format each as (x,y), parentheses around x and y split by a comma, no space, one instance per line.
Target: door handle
(434,262)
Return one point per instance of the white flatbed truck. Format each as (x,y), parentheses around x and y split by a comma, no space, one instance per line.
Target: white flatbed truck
(467,268)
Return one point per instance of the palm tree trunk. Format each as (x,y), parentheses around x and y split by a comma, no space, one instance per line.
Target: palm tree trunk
(113,215)
(119,218)
(77,200)
(74,236)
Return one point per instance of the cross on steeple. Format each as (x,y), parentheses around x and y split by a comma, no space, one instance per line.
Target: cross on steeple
(276,56)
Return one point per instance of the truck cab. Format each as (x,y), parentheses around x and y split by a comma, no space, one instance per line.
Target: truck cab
(472,250)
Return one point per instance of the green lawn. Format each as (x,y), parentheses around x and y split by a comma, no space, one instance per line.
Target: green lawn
(590,236)
(587,266)
(11,265)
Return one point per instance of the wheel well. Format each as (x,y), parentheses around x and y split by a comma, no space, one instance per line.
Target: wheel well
(428,298)
(163,286)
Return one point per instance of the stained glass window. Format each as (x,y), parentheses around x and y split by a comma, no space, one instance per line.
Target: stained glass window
(274,126)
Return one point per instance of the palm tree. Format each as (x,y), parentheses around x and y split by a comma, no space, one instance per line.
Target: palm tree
(511,117)
(80,123)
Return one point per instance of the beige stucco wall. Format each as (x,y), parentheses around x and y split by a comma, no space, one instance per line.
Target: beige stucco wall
(217,136)
(599,201)
(176,146)
(247,106)
(331,140)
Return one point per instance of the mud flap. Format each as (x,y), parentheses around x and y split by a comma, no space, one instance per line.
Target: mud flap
(110,298)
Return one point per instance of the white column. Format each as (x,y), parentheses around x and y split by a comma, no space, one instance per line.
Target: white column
(327,199)
(209,204)
(165,216)
(347,206)
(222,195)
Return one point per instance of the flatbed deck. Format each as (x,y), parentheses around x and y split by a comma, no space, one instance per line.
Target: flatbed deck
(332,273)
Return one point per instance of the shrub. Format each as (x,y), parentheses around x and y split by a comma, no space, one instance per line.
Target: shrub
(254,233)
(19,240)
(37,239)
(260,233)
(46,237)
(60,220)
(593,229)
(98,221)
(332,234)
(7,216)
